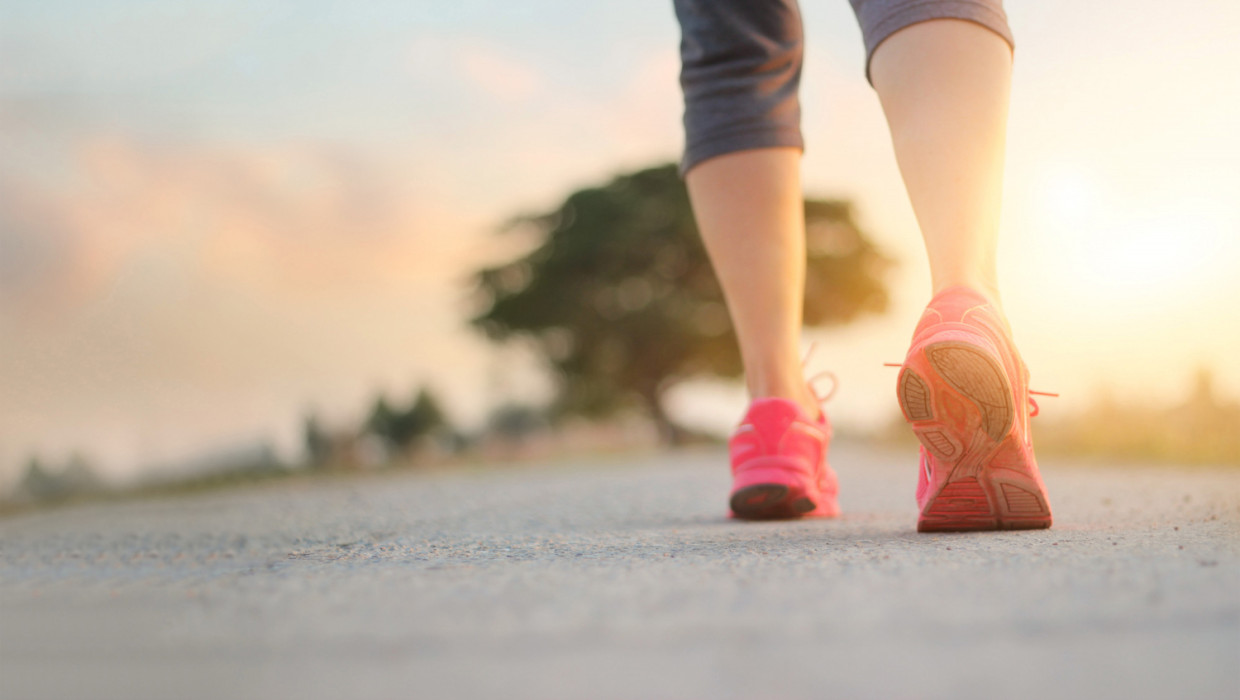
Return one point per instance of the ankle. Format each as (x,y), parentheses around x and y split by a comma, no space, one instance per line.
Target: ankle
(798,393)
(987,287)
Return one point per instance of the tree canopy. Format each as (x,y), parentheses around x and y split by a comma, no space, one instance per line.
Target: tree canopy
(619,296)
(400,427)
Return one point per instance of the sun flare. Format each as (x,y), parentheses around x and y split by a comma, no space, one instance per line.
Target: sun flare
(1125,253)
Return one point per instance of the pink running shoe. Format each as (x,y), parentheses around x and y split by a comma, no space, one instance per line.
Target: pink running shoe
(779,464)
(965,392)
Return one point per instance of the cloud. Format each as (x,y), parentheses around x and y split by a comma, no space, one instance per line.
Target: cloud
(37,244)
(291,219)
(163,296)
(498,75)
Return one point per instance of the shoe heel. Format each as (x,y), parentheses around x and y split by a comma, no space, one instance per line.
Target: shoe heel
(960,506)
(975,497)
(985,503)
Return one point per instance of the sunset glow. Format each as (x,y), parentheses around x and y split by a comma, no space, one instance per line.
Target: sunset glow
(211,220)
(1128,253)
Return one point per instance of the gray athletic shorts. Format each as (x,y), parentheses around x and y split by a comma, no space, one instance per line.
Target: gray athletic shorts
(741,64)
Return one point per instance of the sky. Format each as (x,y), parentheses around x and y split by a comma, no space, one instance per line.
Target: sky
(217,215)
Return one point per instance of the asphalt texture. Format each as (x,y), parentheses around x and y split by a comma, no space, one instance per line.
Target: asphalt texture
(620,577)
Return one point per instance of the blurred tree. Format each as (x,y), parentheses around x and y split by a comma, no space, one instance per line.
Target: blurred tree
(41,482)
(381,422)
(426,416)
(79,475)
(515,421)
(401,428)
(620,298)
(318,443)
(1209,425)
(38,482)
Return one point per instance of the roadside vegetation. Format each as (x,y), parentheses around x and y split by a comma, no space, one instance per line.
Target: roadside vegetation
(616,296)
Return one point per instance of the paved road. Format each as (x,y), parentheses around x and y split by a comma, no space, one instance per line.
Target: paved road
(621,579)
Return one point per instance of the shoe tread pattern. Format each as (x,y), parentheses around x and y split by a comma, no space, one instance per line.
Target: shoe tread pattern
(1023,503)
(914,397)
(961,505)
(978,377)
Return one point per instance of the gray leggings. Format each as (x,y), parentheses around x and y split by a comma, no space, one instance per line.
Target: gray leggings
(741,64)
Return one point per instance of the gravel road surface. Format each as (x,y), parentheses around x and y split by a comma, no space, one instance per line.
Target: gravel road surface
(619,577)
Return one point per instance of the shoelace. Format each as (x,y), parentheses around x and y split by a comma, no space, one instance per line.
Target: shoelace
(1032,403)
(835,382)
(1034,411)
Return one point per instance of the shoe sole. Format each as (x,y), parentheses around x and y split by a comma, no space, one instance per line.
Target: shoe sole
(770,502)
(975,496)
(770,490)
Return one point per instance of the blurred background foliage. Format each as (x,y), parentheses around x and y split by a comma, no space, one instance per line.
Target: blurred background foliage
(1203,429)
(621,302)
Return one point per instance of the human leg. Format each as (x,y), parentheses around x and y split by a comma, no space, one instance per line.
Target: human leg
(749,210)
(741,65)
(944,87)
(944,81)
(942,71)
